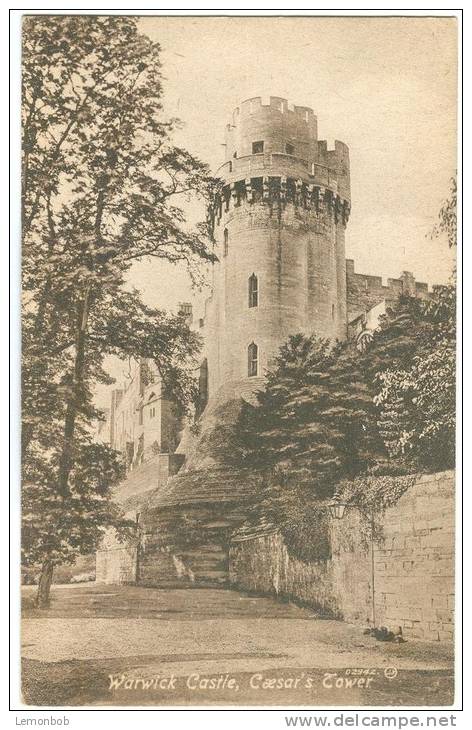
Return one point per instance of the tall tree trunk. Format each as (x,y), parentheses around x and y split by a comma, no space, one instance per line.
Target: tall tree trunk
(44,585)
(66,461)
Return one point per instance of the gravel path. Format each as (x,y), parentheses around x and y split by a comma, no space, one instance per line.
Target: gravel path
(146,633)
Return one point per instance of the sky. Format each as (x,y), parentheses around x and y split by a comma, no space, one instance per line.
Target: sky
(385,86)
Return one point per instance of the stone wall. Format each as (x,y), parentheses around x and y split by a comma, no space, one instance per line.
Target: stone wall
(365,291)
(116,565)
(413,565)
(279,218)
(204,564)
(183,529)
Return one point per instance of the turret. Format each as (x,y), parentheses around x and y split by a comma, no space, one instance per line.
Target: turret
(279,223)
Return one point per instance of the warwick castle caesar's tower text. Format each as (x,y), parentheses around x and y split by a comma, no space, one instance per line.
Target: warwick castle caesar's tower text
(279,223)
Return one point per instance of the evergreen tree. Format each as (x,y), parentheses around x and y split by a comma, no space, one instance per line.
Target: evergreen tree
(314,422)
(331,413)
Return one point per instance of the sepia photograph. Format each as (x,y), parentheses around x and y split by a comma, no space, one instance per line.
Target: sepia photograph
(239,263)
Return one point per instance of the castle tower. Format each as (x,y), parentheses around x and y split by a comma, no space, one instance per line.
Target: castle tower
(279,223)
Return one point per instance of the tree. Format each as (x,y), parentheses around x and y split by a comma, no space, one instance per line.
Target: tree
(281,435)
(417,396)
(56,528)
(447,217)
(313,422)
(101,182)
(331,414)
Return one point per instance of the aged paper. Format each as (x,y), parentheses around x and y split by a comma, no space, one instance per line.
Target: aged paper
(238,396)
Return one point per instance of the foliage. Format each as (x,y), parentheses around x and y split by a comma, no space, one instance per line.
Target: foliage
(66,526)
(416,395)
(447,223)
(301,519)
(416,399)
(101,183)
(371,496)
(333,421)
(313,423)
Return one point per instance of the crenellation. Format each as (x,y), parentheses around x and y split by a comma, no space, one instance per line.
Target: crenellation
(281,189)
(279,104)
(281,216)
(277,124)
(365,291)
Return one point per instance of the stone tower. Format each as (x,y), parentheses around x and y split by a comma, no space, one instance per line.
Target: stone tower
(279,223)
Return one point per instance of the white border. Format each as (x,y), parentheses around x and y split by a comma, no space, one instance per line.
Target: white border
(147,717)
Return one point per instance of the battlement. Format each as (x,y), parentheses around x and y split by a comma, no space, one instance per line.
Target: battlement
(364,291)
(273,137)
(337,159)
(264,126)
(281,164)
(316,199)
(276,104)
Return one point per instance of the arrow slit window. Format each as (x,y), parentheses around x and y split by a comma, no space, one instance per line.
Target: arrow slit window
(253,291)
(252,360)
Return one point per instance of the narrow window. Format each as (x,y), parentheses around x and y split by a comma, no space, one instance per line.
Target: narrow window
(257,148)
(253,291)
(252,360)
(152,412)
(225,242)
(289,149)
(235,155)
(332,311)
(202,387)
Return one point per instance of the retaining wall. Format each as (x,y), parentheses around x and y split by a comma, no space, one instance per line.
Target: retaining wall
(413,575)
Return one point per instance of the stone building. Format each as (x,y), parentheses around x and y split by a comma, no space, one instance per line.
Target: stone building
(141,421)
(141,418)
(279,223)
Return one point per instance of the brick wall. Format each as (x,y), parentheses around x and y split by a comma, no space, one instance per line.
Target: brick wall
(413,565)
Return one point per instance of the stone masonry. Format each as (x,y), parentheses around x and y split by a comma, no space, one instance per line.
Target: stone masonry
(413,573)
(279,224)
(279,220)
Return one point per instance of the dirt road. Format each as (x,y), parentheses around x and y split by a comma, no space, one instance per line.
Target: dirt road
(126,645)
